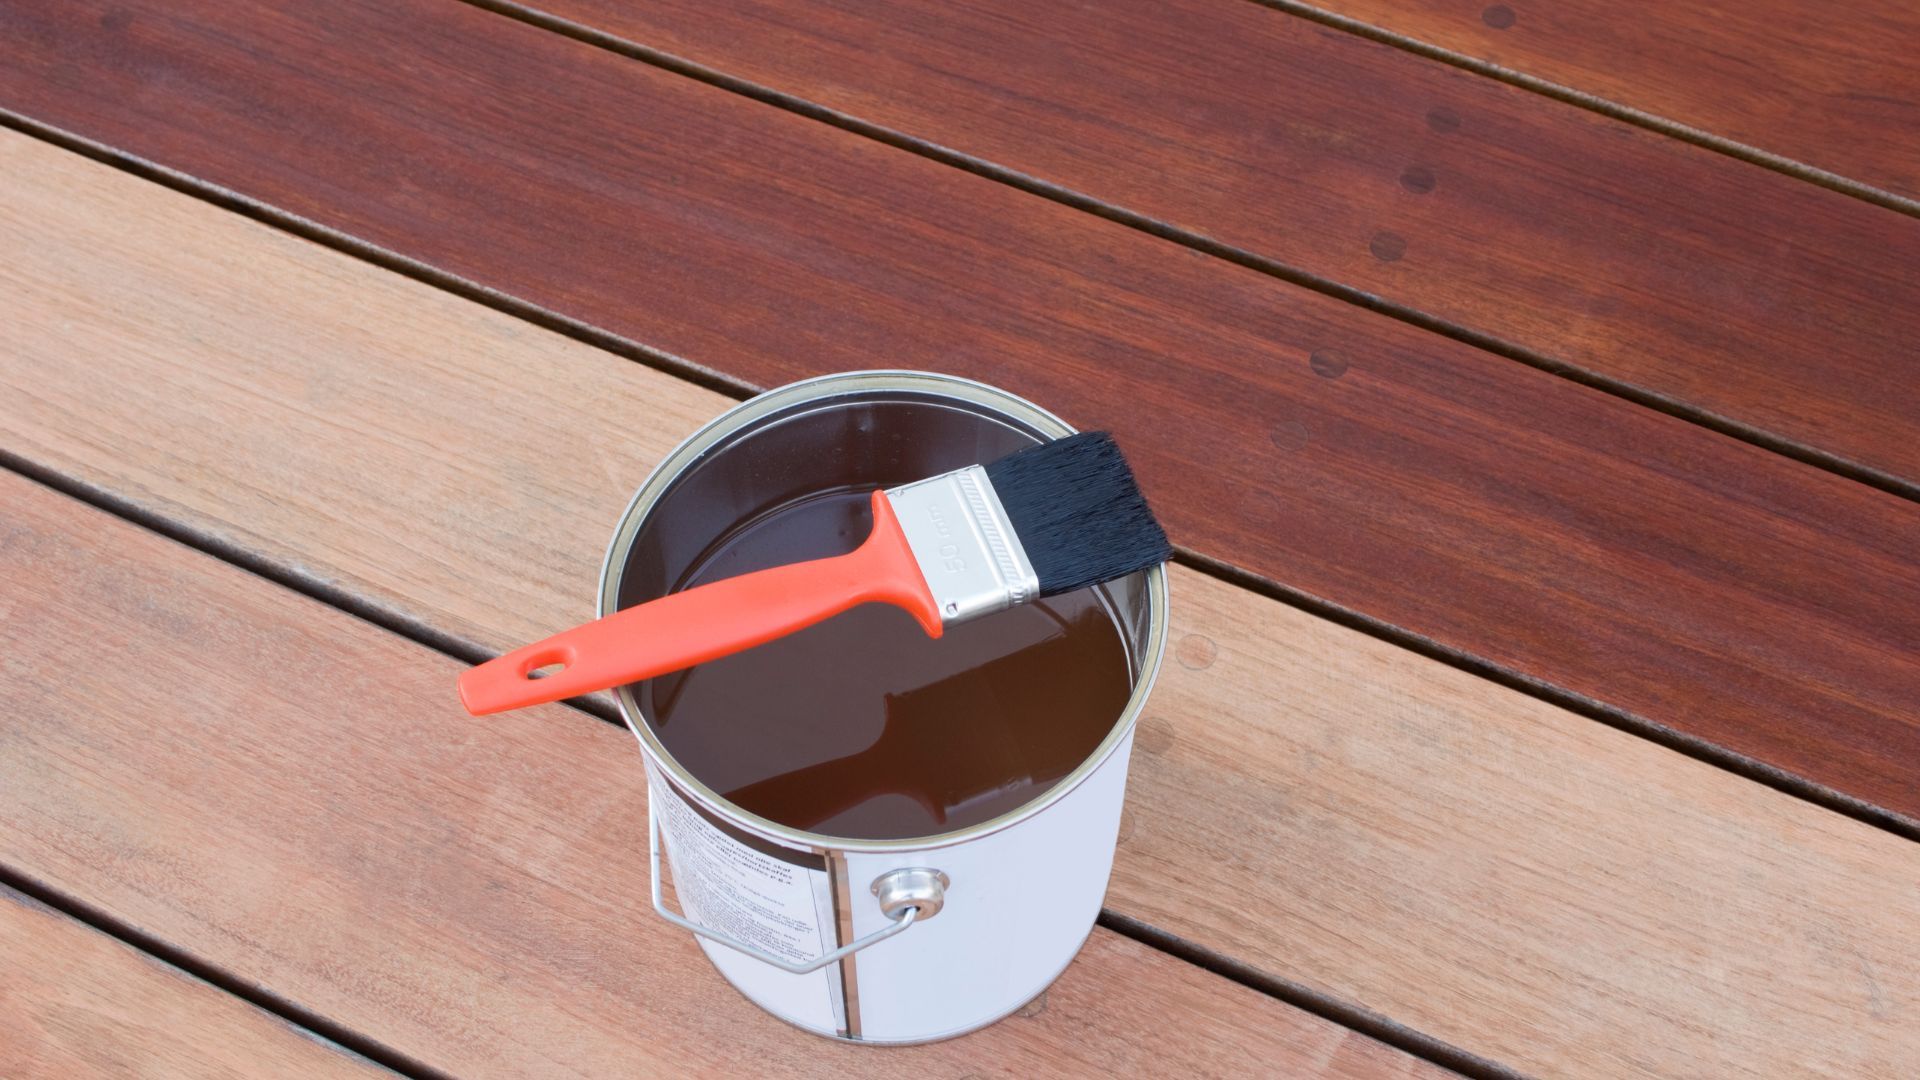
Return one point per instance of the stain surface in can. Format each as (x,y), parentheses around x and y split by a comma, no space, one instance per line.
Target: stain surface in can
(864,727)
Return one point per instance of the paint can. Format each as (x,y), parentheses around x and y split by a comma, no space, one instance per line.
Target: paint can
(882,941)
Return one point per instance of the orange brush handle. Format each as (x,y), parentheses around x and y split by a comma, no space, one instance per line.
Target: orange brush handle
(705,623)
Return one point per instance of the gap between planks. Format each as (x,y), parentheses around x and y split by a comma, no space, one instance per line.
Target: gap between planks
(586,333)
(1657,124)
(1251,260)
(183,965)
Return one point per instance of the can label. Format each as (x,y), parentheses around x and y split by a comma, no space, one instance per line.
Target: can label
(770,901)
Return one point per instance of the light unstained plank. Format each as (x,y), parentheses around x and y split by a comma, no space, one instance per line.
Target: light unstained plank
(294,796)
(1559,533)
(1500,874)
(1834,88)
(75,1002)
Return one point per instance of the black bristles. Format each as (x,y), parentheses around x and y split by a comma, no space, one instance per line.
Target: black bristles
(1078,513)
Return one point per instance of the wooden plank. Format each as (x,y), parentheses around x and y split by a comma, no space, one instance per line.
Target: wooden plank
(1331,810)
(1556,532)
(292,795)
(75,1002)
(1836,89)
(1730,290)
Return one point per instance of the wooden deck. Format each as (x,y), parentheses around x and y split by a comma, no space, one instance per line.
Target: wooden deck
(1532,394)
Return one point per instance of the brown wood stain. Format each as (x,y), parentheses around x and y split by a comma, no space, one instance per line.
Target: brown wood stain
(864,727)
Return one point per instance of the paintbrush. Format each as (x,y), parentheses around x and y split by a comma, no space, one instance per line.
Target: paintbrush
(1042,521)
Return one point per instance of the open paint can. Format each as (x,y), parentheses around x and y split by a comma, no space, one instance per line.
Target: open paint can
(877,836)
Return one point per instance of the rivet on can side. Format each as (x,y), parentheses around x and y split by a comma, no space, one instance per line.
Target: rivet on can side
(912,887)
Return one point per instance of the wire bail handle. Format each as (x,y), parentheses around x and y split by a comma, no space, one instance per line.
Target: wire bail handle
(905,896)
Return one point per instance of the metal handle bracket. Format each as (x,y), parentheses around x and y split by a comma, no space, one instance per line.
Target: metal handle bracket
(907,914)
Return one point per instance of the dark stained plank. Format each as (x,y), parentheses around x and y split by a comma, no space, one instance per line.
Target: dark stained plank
(1321,806)
(1734,291)
(1558,532)
(75,1002)
(1833,87)
(294,796)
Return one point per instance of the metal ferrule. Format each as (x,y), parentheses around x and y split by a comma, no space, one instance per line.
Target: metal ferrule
(966,547)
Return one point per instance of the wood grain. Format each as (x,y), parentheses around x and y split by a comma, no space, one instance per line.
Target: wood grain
(1831,88)
(294,796)
(1487,869)
(1554,531)
(75,1002)
(1729,289)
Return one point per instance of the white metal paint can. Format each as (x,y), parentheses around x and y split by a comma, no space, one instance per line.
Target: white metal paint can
(882,941)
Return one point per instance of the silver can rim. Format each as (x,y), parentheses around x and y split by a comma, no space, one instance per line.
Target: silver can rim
(798,393)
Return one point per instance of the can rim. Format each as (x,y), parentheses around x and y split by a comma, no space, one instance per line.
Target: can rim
(773,401)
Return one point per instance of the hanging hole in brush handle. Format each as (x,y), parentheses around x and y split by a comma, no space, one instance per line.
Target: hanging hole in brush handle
(693,626)
(906,896)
